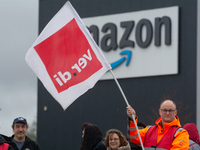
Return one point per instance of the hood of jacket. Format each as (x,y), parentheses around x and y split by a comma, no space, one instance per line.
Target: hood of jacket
(1,140)
(192,131)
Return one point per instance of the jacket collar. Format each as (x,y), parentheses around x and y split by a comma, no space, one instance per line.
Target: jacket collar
(175,122)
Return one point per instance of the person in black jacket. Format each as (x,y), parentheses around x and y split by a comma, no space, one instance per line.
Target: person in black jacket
(19,141)
(92,137)
(4,145)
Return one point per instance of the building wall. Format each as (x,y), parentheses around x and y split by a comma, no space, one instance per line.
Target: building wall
(104,105)
(198,66)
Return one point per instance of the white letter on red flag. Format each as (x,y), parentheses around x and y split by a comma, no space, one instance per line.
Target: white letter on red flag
(65,57)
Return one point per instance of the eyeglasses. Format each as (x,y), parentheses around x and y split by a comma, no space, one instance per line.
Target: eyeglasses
(115,139)
(165,111)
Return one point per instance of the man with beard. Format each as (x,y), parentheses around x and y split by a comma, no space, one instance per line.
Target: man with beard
(19,140)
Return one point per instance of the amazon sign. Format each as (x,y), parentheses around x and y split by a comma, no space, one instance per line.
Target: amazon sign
(138,44)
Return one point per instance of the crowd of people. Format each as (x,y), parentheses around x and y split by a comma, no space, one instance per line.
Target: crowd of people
(166,134)
(92,139)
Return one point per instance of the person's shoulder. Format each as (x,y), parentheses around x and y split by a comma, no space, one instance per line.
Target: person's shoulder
(127,147)
(194,146)
(31,141)
(4,137)
(100,146)
(7,141)
(180,130)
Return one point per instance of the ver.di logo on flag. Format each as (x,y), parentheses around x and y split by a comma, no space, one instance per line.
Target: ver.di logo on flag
(65,57)
(66,43)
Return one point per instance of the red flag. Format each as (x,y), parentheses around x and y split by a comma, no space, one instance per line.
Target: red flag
(65,57)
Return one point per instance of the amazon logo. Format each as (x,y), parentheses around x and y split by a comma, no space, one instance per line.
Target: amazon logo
(118,62)
(142,41)
(137,40)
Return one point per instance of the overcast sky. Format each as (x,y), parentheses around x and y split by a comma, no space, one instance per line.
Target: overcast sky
(18,83)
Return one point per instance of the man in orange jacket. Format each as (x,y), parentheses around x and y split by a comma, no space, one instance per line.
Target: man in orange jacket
(167,134)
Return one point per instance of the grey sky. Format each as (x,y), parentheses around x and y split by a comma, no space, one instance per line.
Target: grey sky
(18,83)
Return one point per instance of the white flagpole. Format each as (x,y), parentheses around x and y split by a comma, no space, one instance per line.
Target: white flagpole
(127,106)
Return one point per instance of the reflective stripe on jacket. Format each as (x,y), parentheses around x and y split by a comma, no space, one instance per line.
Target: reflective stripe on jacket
(180,142)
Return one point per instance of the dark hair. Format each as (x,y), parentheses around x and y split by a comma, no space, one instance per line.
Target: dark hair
(92,136)
(123,141)
(84,125)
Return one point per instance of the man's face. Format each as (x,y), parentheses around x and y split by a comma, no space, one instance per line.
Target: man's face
(167,111)
(19,130)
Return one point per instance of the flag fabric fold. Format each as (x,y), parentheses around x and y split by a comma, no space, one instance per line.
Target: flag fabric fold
(65,57)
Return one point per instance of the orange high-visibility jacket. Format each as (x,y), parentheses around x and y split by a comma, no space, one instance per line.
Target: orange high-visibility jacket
(181,137)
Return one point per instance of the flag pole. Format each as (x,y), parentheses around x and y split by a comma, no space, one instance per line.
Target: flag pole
(127,106)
